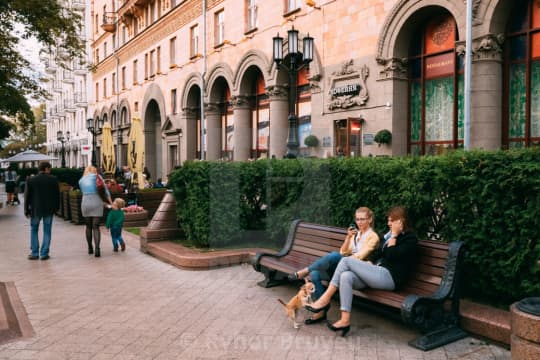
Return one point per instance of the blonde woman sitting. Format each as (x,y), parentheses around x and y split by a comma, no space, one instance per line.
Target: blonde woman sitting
(360,242)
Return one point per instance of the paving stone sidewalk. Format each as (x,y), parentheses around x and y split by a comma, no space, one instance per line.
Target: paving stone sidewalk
(133,306)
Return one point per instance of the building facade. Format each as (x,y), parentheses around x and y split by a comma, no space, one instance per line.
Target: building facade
(201,76)
(67,82)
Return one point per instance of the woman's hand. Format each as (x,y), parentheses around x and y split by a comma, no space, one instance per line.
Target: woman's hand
(351,231)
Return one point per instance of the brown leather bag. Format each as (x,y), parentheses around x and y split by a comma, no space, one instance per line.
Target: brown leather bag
(100,185)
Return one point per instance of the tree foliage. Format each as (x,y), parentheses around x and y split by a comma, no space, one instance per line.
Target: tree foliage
(48,22)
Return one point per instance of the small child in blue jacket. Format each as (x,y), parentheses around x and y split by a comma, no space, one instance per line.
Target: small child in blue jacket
(115,222)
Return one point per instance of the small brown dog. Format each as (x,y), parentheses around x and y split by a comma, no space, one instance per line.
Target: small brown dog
(298,301)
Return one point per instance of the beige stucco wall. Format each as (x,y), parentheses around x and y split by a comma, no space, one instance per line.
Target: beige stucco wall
(364,34)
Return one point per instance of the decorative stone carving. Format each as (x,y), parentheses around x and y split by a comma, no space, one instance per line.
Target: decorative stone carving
(314,84)
(487,47)
(348,86)
(277,92)
(392,68)
(211,108)
(189,112)
(240,102)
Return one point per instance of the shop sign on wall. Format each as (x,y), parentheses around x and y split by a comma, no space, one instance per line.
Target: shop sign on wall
(368,139)
(348,87)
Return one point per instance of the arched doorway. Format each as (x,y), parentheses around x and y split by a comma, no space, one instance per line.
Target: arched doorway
(152,140)
(192,112)
(254,133)
(220,123)
(521,121)
(435,78)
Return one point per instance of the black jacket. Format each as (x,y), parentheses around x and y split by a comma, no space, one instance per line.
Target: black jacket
(41,195)
(401,258)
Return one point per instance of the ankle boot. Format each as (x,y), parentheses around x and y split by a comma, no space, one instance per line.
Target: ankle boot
(90,247)
(98,252)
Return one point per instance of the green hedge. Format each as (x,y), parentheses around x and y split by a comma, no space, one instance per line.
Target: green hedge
(489,200)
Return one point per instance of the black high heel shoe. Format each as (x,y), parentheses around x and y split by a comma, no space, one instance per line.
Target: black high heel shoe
(293,277)
(311,321)
(344,329)
(318,310)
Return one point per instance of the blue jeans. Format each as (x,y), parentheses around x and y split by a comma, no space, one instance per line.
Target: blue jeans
(323,269)
(116,235)
(34,240)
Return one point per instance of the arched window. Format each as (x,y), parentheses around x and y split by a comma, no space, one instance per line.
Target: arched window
(521,123)
(435,88)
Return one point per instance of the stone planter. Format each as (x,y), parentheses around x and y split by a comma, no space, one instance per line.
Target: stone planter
(60,211)
(525,324)
(135,219)
(150,200)
(66,205)
(75,207)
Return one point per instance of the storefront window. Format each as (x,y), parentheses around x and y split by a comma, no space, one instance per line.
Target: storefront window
(435,89)
(521,124)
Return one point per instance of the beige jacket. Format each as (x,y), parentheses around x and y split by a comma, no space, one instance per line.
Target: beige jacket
(370,243)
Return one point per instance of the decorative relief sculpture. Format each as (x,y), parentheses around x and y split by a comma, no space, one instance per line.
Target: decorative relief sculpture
(238,101)
(392,68)
(487,47)
(211,108)
(348,87)
(277,92)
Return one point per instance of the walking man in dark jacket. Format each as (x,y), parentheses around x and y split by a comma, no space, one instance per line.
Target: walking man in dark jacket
(41,200)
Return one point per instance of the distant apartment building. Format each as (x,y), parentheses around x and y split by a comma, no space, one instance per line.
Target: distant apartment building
(67,82)
(202,77)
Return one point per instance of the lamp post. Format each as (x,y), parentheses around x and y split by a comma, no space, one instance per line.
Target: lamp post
(94,131)
(297,61)
(60,137)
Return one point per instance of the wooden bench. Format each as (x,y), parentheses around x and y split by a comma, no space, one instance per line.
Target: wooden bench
(429,301)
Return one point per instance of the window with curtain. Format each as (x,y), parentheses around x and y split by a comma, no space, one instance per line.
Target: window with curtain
(521,121)
(251,6)
(435,88)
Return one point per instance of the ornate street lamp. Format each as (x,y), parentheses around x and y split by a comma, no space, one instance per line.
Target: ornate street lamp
(94,131)
(60,137)
(297,61)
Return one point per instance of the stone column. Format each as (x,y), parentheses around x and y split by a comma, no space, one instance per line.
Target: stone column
(242,128)
(393,76)
(279,125)
(213,131)
(188,145)
(486,92)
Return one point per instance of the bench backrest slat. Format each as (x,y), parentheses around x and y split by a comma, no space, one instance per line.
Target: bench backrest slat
(313,241)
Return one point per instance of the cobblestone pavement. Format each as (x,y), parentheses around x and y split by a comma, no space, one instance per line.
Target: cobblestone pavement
(132,306)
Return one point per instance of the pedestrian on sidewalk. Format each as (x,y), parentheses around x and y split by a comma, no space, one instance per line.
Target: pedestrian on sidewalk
(41,201)
(92,207)
(115,223)
(10,176)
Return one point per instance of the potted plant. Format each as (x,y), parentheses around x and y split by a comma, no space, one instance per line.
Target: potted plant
(311,141)
(383,137)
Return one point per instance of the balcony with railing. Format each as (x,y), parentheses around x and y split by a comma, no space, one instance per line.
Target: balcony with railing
(78,4)
(80,99)
(79,68)
(61,111)
(50,66)
(69,105)
(109,22)
(68,77)
(57,86)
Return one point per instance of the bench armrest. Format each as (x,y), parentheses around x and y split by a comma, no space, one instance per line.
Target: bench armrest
(284,251)
(415,308)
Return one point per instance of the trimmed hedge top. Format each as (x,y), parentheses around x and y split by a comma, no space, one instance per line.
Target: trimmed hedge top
(489,200)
